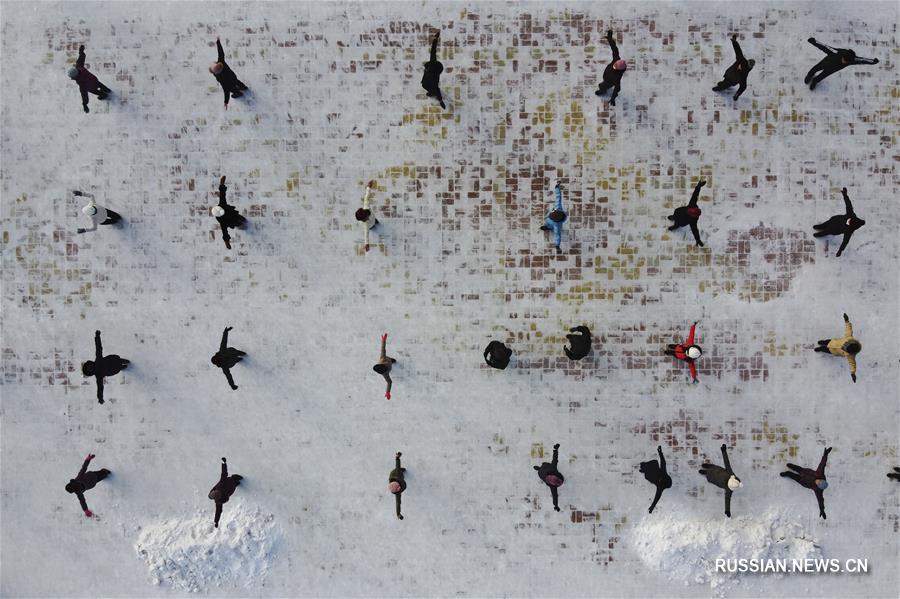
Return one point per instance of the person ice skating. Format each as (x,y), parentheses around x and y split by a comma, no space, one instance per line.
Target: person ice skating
(895,475)
(231,85)
(847,346)
(737,73)
(723,478)
(497,355)
(87,81)
(98,214)
(384,365)
(835,60)
(580,339)
(223,490)
(687,351)
(365,216)
(85,480)
(397,482)
(102,366)
(227,357)
(688,215)
(612,75)
(812,479)
(548,473)
(556,217)
(841,224)
(431,77)
(226,214)
(656,473)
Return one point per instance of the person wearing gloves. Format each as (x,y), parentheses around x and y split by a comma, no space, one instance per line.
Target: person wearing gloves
(812,479)
(226,214)
(227,357)
(98,214)
(551,476)
(656,473)
(835,60)
(556,217)
(497,355)
(688,215)
(397,482)
(688,351)
(384,365)
(102,366)
(737,73)
(580,339)
(84,481)
(840,224)
(723,478)
(612,75)
(231,85)
(87,81)
(365,216)
(431,79)
(846,347)
(223,490)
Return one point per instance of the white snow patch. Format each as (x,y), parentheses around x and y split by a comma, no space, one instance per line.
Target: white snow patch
(686,549)
(192,555)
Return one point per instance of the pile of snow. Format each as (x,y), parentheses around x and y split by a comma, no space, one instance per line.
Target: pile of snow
(686,549)
(192,555)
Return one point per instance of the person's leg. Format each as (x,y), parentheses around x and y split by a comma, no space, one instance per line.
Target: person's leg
(791,476)
(825,73)
(818,67)
(602,88)
(722,85)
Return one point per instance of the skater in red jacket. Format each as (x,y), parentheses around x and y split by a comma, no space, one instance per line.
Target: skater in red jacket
(812,479)
(687,351)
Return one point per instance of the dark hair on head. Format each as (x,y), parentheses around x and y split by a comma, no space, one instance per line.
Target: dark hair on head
(72,486)
(380,368)
(853,347)
(87,368)
(558,216)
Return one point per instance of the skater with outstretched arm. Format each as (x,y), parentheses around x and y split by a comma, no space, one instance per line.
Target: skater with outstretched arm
(841,224)
(656,473)
(365,216)
(384,365)
(397,482)
(84,481)
(689,215)
(687,351)
(98,214)
(87,81)
(556,217)
(846,347)
(812,479)
(551,476)
(580,339)
(102,366)
(223,490)
(497,355)
(724,478)
(612,75)
(737,73)
(231,85)
(431,79)
(226,214)
(227,357)
(835,60)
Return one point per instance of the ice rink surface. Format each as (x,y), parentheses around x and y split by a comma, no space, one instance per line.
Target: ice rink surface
(335,101)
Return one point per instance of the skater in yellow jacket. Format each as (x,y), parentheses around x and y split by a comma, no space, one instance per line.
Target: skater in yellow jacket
(847,346)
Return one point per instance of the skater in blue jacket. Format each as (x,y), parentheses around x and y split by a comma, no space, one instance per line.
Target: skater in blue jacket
(556,217)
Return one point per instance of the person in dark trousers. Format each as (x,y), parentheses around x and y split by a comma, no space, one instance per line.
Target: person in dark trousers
(223,490)
(841,224)
(812,479)
(87,81)
(580,339)
(612,75)
(687,351)
(656,473)
(835,60)
(723,478)
(231,85)
(737,73)
(497,355)
(548,473)
(895,475)
(845,347)
(227,215)
(98,214)
(433,69)
(689,215)
(85,480)
(227,357)
(397,482)
(384,365)
(102,366)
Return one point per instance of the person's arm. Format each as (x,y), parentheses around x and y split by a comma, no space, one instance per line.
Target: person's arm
(81,57)
(612,45)
(852,361)
(557,230)
(725,457)
(741,88)
(98,346)
(397,503)
(99,388)
(659,492)
(822,47)
(820,497)
(221,56)
(728,502)
(222,189)
(383,346)
(844,242)
(696,195)
(558,191)
(848,206)
(84,466)
(224,343)
(690,339)
(366,197)
(227,372)
(738,55)
(696,232)
(434,43)
(555,495)
(861,60)
(848,327)
(397,460)
(84,506)
(693,368)
(662,458)
(84,99)
(225,236)
(616,89)
(555,455)
(218,514)
(820,471)
(94,222)
(224,473)
(387,378)
(225,91)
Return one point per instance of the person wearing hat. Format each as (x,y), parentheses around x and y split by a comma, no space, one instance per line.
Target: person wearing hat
(554,219)
(812,479)
(612,75)
(85,480)
(737,73)
(580,339)
(384,365)
(98,214)
(227,215)
(688,215)
(656,473)
(227,357)
(87,81)
(835,60)
(548,473)
(497,355)
(841,224)
(397,482)
(688,351)
(846,347)
(365,216)
(723,478)
(231,85)
(102,366)
(432,76)
(223,490)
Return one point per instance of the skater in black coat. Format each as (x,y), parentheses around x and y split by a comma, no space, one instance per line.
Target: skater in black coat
(612,75)
(812,479)
(497,355)
(397,482)
(224,489)
(737,73)
(231,85)
(688,215)
(102,366)
(227,357)
(226,214)
(580,339)
(432,76)
(723,478)
(835,60)
(87,81)
(895,475)
(86,480)
(655,472)
(551,476)
(840,224)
